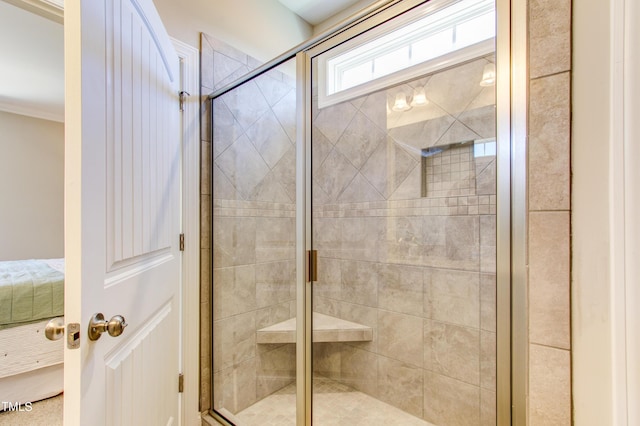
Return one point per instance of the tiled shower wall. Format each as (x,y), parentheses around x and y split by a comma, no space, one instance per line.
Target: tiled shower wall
(549,172)
(253,192)
(549,207)
(420,271)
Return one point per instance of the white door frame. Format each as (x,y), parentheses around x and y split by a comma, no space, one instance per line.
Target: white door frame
(190,328)
(605,207)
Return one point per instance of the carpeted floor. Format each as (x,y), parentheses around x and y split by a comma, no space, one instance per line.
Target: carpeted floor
(47,412)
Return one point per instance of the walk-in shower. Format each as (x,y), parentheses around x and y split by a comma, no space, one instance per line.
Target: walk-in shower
(355,220)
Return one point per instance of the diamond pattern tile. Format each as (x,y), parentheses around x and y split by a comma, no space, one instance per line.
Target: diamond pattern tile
(272,86)
(332,121)
(246,103)
(388,167)
(335,174)
(359,140)
(243,166)
(269,138)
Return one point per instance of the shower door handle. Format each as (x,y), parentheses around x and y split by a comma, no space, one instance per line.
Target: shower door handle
(312,265)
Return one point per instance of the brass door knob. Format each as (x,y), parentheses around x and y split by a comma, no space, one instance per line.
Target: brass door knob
(54,330)
(98,325)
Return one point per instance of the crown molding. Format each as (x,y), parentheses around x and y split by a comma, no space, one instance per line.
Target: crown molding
(50,9)
(31,112)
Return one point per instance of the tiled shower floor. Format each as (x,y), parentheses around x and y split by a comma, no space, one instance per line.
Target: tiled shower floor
(334,404)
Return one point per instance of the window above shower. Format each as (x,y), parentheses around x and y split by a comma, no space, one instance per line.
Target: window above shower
(407,47)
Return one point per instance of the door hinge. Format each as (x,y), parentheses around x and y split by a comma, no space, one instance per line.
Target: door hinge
(181,242)
(312,265)
(182,95)
(180,383)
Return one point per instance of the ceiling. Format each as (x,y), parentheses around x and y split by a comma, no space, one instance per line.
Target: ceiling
(316,11)
(32,66)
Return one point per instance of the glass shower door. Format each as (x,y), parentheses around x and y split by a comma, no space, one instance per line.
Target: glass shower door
(254,272)
(403,164)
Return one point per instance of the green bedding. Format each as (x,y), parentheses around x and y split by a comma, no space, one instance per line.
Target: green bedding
(30,290)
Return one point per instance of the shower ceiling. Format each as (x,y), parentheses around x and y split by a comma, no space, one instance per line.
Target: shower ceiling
(316,11)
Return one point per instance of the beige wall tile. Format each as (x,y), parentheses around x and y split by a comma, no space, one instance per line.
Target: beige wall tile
(205,276)
(404,240)
(549,267)
(235,241)
(488,363)
(206,64)
(549,143)
(488,302)
(236,387)
(205,120)
(360,282)
(225,49)
(332,122)
(234,291)
(487,408)
(550,37)
(455,351)
(235,340)
(387,167)
(359,369)
(205,219)
(269,138)
(451,242)
(273,281)
(359,140)
(275,238)
(205,169)
(205,384)
(456,88)
(549,386)
(275,369)
(243,165)
(450,402)
(400,289)
(329,282)
(401,337)
(272,315)
(226,130)
(488,243)
(324,305)
(454,296)
(400,385)
(327,359)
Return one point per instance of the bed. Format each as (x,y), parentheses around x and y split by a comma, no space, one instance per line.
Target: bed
(31,293)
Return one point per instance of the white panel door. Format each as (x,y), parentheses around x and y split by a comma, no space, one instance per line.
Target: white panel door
(122,211)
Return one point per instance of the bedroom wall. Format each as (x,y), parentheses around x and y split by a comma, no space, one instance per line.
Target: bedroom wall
(31,187)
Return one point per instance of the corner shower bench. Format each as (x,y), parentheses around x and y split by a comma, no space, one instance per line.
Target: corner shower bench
(325,329)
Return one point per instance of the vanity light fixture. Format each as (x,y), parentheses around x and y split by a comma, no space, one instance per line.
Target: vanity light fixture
(488,75)
(419,97)
(401,102)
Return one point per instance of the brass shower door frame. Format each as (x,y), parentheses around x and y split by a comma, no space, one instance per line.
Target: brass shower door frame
(511,128)
(510,313)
